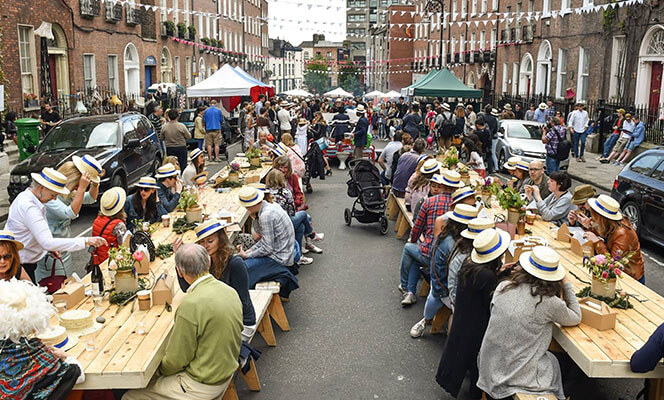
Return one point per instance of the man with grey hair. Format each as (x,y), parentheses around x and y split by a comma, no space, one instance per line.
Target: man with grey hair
(203,350)
(157,120)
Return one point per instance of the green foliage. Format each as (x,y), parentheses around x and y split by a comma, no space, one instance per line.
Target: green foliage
(192,29)
(187,200)
(181,225)
(349,78)
(122,258)
(205,41)
(508,198)
(620,300)
(170,26)
(164,251)
(608,18)
(252,152)
(315,75)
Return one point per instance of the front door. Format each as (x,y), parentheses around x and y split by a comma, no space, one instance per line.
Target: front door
(148,78)
(54,80)
(655,87)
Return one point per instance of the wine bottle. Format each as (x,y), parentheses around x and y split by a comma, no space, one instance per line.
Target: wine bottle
(96,277)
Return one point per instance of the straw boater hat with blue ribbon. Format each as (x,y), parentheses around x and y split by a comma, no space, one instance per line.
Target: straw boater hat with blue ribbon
(280,150)
(201,178)
(489,245)
(195,153)
(462,193)
(250,196)
(522,165)
(452,179)
(477,225)
(462,213)
(112,201)
(420,158)
(511,163)
(430,166)
(606,206)
(90,165)
(166,171)
(8,236)
(51,180)
(147,182)
(544,263)
(209,227)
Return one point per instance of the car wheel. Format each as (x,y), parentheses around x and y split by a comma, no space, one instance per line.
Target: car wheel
(631,211)
(118,181)
(155,166)
(501,162)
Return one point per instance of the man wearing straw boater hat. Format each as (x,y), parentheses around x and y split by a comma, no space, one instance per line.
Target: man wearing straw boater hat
(27,219)
(169,186)
(361,131)
(416,254)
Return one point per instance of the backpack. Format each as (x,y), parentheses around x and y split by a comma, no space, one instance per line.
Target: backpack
(564,147)
(448,127)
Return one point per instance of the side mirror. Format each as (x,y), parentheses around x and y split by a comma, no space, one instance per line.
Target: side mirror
(132,143)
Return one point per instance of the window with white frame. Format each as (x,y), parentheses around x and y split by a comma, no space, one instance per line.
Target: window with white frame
(176,62)
(546,8)
(472,41)
(482,39)
(462,44)
(515,78)
(454,8)
(494,5)
(583,72)
(463,7)
(187,70)
(185,14)
(175,12)
(588,3)
(484,6)
(565,5)
(494,35)
(26,47)
(113,73)
(505,75)
(561,78)
(617,82)
(89,73)
(207,25)
(164,7)
(473,7)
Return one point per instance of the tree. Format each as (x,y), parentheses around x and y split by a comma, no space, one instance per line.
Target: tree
(315,76)
(349,78)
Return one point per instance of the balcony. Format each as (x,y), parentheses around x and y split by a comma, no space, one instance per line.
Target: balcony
(466,58)
(113,12)
(89,8)
(133,15)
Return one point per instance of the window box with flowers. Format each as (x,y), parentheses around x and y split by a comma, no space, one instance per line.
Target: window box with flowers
(30,101)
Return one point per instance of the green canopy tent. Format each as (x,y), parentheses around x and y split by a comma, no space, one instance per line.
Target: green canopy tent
(442,83)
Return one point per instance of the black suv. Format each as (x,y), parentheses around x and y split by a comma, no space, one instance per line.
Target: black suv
(639,188)
(124,144)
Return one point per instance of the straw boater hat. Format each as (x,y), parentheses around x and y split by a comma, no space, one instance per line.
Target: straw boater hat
(522,165)
(209,227)
(462,213)
(201,178)
(446,107)
(489,245)
(302,121)
(430,166)
(52,180)
(582,193)
(495,112)
(606,206)
(507,107)
(542,106)
(195,153)
(66,342)
(8,236)
(452,179)
(543,263)
(462,193)
(511,163)
(112,201)
(90,165)
(477,225)
(249,196)
(147,182)
(360,109)
(420,158)
(166,171)
(280,149)
(24,309)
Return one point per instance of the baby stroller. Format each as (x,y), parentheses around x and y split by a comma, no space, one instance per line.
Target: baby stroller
(366,186)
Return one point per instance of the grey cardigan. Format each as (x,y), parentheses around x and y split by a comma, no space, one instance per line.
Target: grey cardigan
(514,357)
(552,209)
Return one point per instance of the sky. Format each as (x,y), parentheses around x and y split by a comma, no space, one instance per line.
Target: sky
(297,20)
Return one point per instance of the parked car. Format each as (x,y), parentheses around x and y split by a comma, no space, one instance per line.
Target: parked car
(523,139)
(639,188)
(124,144)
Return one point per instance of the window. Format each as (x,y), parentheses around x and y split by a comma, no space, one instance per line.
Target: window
(163,11)
(356,17)
(472,41)
(463,7)
(484,6)
(454,9)
(187,70)
(659,172)
(494,5)
(494,35)
(175,12)
(616,84)
(89,76)
(515,78)
(645,164)
(113,11)
(473,7)
(584,70)
(113,73)
(132,18)
(177,69)
(185,14)
(482,39)
(505,75)
(588,3)
(546,8)
(462,44)
(26,45)
(565,5)
(561,84)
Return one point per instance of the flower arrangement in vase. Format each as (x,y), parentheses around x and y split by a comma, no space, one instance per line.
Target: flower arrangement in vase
(189,204)
(484,188)
(451,158)
(605,270)
(510,200)
(254,156)
(123,262)
(234,173)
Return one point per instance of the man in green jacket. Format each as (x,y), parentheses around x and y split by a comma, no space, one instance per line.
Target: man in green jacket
(203,350)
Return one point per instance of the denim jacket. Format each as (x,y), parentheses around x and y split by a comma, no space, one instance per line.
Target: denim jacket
(442,250)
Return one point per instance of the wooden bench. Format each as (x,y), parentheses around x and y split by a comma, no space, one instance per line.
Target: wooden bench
(397,209)
(523,396)
(276,308)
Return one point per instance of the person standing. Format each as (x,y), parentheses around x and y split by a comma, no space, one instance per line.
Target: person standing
(530,114)
(484,134)
(199,127)
(471,118)
(552,139)
(259,104)
(175,137)
(550,110)
(541,115)
(213,120)
(361,131)
(578,123)
(507,112)
(49,117)
(284,118)
(518,112)
(157,120)
(249,128)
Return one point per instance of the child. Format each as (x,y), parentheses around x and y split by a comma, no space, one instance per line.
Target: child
(475,160)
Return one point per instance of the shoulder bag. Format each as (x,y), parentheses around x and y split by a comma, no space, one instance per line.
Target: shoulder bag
(54,282)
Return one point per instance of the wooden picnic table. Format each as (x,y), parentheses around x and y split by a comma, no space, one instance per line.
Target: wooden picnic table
(122,358)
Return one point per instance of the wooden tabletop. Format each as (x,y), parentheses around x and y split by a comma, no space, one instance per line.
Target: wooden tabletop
(123,358)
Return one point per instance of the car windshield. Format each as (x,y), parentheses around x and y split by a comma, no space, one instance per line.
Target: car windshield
(187,116)
(523,131)
(80,135)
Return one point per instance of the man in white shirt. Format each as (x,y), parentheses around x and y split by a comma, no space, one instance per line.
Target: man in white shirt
(386,157)
(578,123)
(284,118)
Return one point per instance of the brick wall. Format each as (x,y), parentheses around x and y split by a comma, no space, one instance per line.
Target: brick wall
(398,78)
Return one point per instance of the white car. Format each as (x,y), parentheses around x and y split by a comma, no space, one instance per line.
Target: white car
(523,139)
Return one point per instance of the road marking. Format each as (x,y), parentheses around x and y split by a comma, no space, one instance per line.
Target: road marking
(661,264)
(85,232)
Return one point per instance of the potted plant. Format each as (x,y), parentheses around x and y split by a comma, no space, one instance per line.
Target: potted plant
(511,200)
(205,41)
(122,261)
(170,28)
(192,32)
(254,156)
(484,189)
(30,100)
(451,158)
(189,204)
(464,172)
(234,173)
(605,269)
(182,30)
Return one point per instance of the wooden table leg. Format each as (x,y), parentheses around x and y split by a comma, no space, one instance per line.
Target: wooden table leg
(251,377)
(230,393)
(440,318)
(424,289)
(404,227)
(398,223)
(656,389)
(277,313)
(266,331)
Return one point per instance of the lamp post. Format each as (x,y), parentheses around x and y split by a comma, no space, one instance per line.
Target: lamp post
(437,6)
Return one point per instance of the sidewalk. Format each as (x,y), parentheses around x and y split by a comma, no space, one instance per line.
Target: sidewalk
(593,172)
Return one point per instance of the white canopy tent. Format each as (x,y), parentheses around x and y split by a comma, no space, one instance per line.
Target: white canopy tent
(338,92)
(392,94)
(297,93)
(223,83)
(375,94)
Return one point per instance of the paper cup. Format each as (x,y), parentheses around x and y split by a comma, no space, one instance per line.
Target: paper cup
(166,221)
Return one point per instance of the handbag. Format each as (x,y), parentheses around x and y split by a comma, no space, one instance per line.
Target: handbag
(502,223)
(54,282)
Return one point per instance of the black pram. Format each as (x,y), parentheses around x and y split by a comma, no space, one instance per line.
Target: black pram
(365,185)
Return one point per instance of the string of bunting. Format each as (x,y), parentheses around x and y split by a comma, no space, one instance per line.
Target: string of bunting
(218,50)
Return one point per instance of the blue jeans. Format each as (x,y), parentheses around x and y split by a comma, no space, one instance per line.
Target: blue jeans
(411,261)
(200,143)
(383,178)
(302,225)
(432,305)
(642,280)
(267,262)
(576,138)
(552,165)
(608,145)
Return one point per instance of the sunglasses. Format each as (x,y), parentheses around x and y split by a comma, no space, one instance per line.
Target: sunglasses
(144,189)
(6,257)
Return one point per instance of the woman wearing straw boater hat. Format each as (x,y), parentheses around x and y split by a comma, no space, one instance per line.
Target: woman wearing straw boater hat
(477,279)
(226,266)
(361,131)
(514,356)
(144,203)
(439,294)
(195,167)
(169,186)
(110,223)
(27,219)
(31,369)
(520,173)
(83,177)
(615,234)
(418,183)
(10,262)
(580,215)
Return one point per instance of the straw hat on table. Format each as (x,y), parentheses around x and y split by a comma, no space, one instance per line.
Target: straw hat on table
(544,263)
(462,213)
(250,196)
(477,225)
(462,193)
(489,245)
(51,180)
(90,165)
(112,201)
(606,206)
(209,227)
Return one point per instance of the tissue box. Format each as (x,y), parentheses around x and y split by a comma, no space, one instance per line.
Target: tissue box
(597,314)
(72,292)
(162,292)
